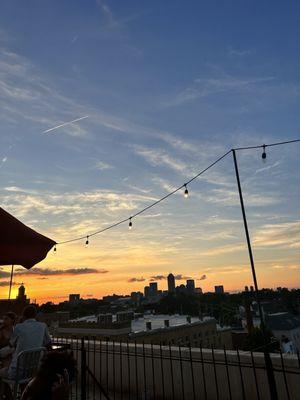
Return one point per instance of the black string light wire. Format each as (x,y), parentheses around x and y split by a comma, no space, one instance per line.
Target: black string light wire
(184,187)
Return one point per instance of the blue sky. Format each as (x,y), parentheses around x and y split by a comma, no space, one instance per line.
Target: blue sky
(167,86)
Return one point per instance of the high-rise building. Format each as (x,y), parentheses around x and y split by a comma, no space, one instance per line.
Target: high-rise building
(219,289)
(171,283)
(74,298)
(153,288)
(146,291)
(190,285)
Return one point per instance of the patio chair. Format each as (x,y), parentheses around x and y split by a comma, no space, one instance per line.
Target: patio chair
(27,365)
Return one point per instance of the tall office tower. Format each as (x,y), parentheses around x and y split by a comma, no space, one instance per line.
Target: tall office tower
(153,288)
(171,283)
(219,289)
(146,291)
(74,298)
(190,285)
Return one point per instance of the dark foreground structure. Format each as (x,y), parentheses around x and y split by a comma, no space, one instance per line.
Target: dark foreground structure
(114,370)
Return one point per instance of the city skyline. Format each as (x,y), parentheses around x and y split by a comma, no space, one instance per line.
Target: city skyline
(107,107)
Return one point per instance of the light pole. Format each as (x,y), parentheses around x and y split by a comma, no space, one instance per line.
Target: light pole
(247,236)
(268,362)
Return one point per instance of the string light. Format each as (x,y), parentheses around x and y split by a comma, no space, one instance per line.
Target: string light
(186,192)
(87,241)
(264,154)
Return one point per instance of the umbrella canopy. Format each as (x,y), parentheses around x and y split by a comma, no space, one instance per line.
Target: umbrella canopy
(20,245)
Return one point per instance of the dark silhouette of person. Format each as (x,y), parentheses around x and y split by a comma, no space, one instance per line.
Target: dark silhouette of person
(53,378)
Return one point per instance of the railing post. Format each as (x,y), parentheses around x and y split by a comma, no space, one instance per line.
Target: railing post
(270,375)
(83,370)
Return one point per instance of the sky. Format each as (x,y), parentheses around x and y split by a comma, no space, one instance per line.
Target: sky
(157,90)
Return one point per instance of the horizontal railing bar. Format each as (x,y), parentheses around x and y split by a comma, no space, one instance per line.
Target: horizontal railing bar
(221,363)
(176,358)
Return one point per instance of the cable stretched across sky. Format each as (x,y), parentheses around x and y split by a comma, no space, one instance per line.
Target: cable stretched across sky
(183,186)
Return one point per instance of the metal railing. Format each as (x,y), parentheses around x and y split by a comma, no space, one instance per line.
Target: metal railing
(114,370)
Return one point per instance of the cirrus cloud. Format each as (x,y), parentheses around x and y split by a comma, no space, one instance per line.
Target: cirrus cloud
(69,271)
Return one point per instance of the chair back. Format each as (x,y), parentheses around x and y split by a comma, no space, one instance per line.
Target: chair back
(27,363)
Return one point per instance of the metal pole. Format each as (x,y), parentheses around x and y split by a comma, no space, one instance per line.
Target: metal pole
(11,279)
(247,237)
(268,362)
(83,371)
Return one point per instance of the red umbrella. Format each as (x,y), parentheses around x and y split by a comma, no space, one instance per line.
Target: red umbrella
(19,244)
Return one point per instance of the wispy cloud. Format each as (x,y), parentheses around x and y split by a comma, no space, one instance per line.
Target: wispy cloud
(203,87)
(102,166)
(113,22)
(294,267)
(281,235)
(157,278)
(5,156)
(26,203)
(226,249)
(181,277)
(157,157)
(4,274)
(52,272)
(239,53)
(228,197)
(136,279)
(7,283)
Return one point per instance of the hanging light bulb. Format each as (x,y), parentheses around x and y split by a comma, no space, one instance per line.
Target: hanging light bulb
(264,154)
(186,192)
(54,249)
(130,224)
(87,241)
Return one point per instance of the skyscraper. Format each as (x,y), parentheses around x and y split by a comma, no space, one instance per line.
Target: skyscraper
(171,283)
(190,285)
(146,291)
(219,289)
(74,298)
(153,288)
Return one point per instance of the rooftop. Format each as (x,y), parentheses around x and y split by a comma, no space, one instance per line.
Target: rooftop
(282,321)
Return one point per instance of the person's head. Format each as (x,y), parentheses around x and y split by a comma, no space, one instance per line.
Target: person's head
(9,319)
(284,339)
(29,312)
(54,364)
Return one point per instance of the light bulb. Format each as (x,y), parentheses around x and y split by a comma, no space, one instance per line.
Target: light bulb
(264,154)
(87,241)
(130,224)
(186,192)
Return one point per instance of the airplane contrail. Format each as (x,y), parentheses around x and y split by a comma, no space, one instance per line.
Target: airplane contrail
(64,124)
